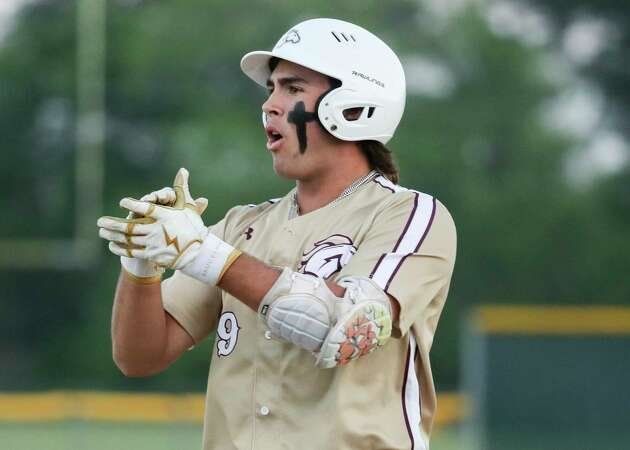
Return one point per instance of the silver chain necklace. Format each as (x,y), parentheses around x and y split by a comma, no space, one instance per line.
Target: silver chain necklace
(356,184)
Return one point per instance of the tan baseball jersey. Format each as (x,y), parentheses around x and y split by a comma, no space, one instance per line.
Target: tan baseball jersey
(264,393)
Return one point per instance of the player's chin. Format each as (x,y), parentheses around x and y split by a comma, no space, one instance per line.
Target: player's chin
(284,170)
(280,170)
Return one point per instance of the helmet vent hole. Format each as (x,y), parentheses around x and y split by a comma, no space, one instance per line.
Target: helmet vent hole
(371,112)
(353,114)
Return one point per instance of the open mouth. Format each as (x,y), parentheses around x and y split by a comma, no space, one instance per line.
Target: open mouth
(273,138)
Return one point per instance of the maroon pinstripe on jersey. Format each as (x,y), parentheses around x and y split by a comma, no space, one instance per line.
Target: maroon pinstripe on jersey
(411,237)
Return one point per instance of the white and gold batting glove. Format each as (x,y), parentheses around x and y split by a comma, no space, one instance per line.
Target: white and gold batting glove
(143,270)
(173,237)
(140,270)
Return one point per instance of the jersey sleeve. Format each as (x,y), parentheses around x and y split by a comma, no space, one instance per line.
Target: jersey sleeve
(196,306)
(409,251)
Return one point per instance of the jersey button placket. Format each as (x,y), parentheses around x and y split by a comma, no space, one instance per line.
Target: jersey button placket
(264,411)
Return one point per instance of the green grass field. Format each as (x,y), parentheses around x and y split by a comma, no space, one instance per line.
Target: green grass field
(99,436)
(114,436)
(185,436)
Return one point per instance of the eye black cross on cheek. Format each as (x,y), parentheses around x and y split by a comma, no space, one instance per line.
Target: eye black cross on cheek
(299,117)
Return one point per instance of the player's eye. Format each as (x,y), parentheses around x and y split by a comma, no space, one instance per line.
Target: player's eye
(294,89)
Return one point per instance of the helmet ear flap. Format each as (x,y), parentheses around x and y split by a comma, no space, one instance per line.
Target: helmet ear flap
(323,110)
(349,116)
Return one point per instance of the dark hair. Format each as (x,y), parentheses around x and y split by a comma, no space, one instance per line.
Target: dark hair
(273,63)
(379,157)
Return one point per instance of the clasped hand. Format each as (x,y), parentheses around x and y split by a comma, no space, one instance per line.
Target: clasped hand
(170,235)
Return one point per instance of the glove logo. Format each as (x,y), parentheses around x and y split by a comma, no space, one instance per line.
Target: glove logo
(328,256)
(292,37)
(170,240)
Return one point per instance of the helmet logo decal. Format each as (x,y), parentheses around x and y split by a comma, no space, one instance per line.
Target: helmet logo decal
(344,36)
(328,256)
(291,37)
(368,78)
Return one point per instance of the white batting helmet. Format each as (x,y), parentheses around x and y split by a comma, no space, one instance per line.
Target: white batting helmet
(371,75)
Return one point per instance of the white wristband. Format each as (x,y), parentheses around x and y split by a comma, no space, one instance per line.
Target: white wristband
(214,257)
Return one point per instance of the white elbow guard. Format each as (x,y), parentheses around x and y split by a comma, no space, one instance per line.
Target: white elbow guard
(301,309)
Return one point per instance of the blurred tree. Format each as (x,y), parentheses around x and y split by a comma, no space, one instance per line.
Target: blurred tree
(608,67)
(603,210)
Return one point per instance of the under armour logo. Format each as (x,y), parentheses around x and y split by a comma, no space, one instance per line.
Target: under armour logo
(248,233)
(292,37)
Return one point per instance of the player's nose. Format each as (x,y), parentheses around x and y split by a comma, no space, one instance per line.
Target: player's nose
(272,106)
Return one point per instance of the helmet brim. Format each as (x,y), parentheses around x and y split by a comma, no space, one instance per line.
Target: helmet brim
(256,66)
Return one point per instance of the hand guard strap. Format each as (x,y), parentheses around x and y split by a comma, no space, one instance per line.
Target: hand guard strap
(301,309)
(214,259)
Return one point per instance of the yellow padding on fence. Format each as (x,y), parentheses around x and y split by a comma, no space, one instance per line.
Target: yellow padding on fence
(554,320)
(105,406)
(451,408)
(127,407)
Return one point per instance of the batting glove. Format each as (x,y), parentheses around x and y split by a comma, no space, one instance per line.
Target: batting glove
(143,270)
(170,236)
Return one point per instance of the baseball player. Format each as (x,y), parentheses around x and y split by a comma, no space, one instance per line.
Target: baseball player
(325,301)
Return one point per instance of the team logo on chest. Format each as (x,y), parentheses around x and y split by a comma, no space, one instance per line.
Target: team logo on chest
(328,256)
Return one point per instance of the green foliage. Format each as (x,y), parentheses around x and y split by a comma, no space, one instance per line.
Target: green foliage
(176,98)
